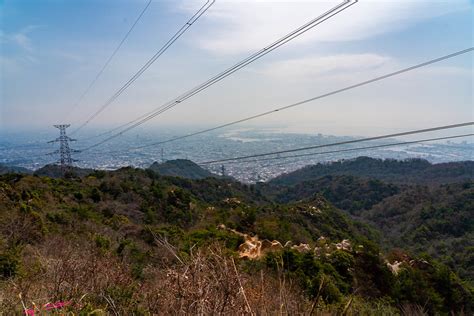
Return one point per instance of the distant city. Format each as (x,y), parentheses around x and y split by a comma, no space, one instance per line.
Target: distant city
(31,151)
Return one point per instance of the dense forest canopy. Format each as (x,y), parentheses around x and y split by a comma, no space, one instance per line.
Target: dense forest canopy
(408,171)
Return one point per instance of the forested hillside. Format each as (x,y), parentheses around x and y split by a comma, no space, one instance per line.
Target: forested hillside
(347,192)
(55,171)
(417,206)
(438,221)
(181,168)
(395,171)
(132,241)
(8,169)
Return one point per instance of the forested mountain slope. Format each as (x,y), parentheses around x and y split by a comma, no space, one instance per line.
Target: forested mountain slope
(134,242)
(409,171)
(347,192)
(181,168)
(430,211)
(55,171)
(8,169)
(438,221)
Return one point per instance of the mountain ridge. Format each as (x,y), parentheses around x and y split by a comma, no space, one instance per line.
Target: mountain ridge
(407,171)
(181,168)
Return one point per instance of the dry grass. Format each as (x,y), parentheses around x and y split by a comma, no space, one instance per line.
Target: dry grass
(208,281)
(205,281)
(60,270)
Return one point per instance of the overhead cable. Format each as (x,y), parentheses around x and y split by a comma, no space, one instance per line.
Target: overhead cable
(165,107)
(426,130)
(76,104)
(160,52)
(357,149)
(325,95)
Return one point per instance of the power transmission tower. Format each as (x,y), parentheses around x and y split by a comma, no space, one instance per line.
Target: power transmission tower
(223,170)
(64,150)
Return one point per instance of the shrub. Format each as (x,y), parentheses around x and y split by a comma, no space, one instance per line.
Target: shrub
(58,217)
(102,242)
(211,235)
(25,208)
(9,264)
(78,195)
(99,174)
(85,212)
(95,195)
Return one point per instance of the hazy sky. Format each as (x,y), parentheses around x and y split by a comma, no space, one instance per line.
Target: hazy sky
(52,49)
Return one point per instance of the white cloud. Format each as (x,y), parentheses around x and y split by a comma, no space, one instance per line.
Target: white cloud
(20,38)
(24,49)
(236,26)
(325,65)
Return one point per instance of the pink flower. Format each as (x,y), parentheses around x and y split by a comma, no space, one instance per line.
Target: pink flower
(30,311)
(48,307)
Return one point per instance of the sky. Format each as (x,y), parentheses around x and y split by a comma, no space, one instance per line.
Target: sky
(50,51)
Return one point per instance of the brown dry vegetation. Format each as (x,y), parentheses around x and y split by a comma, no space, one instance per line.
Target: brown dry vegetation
(206,281)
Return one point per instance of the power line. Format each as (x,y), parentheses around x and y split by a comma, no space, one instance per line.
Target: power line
(392,74)
(285,39)
(357,149)
(110,58)
(431,129)
(337,151)
(160,52)
(144,118)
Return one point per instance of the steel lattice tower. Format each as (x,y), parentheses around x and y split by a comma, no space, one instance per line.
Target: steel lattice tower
(64,149)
